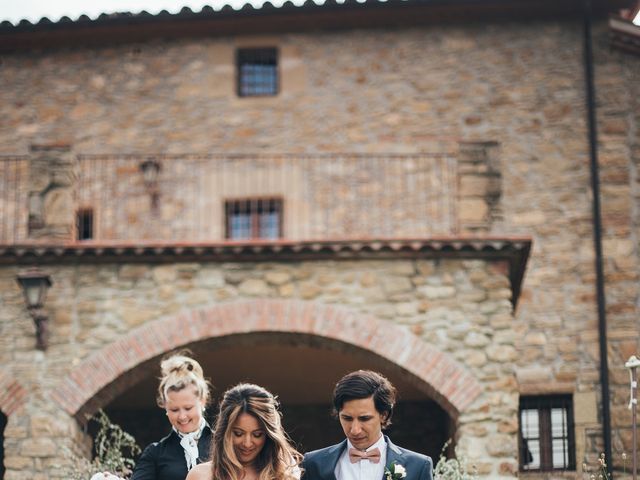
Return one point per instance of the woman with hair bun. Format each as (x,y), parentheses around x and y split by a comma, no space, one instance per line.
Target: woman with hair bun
(249,442)
(183,393)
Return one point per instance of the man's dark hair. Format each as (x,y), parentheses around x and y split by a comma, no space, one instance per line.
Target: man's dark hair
(364,384)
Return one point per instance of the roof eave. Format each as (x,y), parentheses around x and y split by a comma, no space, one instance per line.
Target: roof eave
(121,27)
(513,250)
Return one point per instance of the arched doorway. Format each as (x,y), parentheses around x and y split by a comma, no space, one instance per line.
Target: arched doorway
(302,371)
(275,343)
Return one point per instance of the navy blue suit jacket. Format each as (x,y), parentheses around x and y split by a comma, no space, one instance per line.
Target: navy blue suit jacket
(321,464)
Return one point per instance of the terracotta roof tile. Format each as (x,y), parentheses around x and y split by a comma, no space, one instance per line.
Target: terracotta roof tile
(514,250)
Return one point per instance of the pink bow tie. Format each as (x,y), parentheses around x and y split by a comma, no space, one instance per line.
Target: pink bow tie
(357,455)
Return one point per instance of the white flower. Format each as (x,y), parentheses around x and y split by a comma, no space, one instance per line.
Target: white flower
(395,471)
(400,470)
(105,476)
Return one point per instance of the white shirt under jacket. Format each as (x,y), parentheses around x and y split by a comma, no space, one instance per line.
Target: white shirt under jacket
(364,469)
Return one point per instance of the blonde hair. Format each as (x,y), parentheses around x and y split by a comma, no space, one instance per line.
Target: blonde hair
(278,459)
(180,371)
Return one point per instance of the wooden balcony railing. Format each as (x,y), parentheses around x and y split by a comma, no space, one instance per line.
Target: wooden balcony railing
(338,196)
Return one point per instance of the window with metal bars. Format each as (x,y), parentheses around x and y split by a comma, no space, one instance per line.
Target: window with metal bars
(546,433)
(253,218)
(257,72)
(84,224)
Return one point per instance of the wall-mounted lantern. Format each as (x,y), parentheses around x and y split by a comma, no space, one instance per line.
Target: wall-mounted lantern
(34,285)
(150,169)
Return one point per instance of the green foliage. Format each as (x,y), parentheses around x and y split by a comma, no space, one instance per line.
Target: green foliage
(452,468)
(115,450)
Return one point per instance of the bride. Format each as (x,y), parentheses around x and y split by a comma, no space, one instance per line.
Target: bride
(249,442)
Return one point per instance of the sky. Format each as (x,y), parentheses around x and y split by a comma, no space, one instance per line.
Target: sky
(34,10)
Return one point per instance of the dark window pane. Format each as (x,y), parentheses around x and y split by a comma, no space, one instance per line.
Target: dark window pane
(240,226)
(529,421)
(270,225)
(257,72)
(84,224)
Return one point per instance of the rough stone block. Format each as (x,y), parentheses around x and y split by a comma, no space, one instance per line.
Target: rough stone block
(533,374)
(39,447)
(18,462)
(473,210)
(500,445)
(394,284)
(254,287)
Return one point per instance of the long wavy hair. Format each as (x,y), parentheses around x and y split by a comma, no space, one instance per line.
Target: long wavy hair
(278,459)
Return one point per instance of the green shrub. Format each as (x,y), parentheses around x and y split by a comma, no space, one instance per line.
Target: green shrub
(115,450)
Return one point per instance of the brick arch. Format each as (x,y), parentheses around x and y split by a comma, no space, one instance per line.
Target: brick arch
(446,380)
(12,394)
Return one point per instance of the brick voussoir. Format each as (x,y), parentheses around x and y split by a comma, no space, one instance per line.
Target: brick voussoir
(13,397)
(201,325)
(451,384)
(70,396)
(212,321)
(467,393)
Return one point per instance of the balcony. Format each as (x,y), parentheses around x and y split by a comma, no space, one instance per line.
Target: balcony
(44,196)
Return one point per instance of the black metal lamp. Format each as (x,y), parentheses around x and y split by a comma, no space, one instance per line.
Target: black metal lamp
(34,285)
(150,170)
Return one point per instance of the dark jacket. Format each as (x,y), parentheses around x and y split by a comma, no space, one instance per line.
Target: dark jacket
(321,464)
(164,460)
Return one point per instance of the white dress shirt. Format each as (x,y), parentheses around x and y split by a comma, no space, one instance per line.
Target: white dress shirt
(364,469)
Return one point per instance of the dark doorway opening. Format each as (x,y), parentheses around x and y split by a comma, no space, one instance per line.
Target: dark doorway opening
(3,424)
(301,370)
(421,426)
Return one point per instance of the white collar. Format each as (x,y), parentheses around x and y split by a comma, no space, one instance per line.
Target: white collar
(189,443)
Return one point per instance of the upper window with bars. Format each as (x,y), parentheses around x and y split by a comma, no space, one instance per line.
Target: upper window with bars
(257,72)
(546,433)
(253,218)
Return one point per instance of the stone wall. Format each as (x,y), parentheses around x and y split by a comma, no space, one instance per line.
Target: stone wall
(458,307)
(356,91)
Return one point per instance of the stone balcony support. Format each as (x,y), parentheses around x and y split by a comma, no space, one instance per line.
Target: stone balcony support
(53,173)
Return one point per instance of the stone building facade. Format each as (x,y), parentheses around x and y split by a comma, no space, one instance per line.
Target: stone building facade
(437,221)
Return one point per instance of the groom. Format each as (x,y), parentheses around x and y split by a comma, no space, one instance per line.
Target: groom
(363,401)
